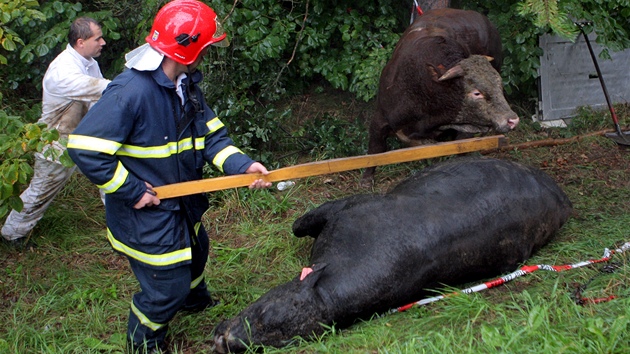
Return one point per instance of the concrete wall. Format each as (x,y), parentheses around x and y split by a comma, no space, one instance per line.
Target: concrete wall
(568,78)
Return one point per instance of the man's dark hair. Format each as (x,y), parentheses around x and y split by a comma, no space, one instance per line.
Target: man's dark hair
(80,29)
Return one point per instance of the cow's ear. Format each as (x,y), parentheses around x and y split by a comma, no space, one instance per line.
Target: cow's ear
(310,279)
(452,73)
(435,75)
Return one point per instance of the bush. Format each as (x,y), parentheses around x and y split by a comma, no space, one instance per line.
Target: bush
(280,48)
(18,141)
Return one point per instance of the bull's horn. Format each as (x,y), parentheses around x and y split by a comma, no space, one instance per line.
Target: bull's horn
(489,58)
(452,73)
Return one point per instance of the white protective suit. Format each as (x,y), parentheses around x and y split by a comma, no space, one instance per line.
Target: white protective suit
(71,85)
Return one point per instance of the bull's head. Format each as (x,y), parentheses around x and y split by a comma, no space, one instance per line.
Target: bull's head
(484,107)
(289,310)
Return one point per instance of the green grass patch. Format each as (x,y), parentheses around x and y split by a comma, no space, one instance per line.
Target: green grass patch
(71,293)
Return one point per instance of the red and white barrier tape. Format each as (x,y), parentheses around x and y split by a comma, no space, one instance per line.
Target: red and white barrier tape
(418,8)
(520,272)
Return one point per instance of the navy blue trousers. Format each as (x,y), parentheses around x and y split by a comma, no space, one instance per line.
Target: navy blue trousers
(163,293)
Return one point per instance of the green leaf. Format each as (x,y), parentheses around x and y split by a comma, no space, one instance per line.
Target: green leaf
(8,44)
(42,50)
(33,131)
(32,144)
(15,203)
(25,171)
(66,160)
(6,190)
(50,135)
(31,3)
(10,175)
(58,7)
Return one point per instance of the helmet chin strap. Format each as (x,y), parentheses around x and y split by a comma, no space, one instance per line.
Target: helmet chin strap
(191,93)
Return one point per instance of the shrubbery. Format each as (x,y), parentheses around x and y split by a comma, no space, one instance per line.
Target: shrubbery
(281,47)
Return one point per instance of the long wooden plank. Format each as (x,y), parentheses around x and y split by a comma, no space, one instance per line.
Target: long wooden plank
(333,166)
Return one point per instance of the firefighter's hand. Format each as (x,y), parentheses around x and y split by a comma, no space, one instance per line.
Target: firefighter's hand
(148,199)
(257,167)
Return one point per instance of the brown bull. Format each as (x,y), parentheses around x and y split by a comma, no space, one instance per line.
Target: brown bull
(442,83)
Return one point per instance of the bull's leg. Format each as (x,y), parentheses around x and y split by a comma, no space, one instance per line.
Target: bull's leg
(378,133)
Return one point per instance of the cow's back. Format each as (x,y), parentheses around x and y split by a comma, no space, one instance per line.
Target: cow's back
(470,28)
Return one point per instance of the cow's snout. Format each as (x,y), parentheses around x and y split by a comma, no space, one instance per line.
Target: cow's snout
(506,122)
(513,122)
(219,345)
(225,343)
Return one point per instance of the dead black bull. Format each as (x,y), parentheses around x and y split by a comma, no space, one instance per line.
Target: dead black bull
(455,222)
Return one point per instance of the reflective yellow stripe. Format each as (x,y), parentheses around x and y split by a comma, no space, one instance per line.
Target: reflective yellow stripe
(196,282)
(144,320)
(167,150)
(151,259)
(200,143)
(111,147)
(197,227)
(120,176)
(220,158)
(214,125)
(93,144)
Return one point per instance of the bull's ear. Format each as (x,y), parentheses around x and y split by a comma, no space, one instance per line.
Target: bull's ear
(452,73)
(436,72)
(313,222)
(312,277)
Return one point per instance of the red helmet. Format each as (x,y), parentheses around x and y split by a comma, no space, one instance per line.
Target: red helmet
(183,28)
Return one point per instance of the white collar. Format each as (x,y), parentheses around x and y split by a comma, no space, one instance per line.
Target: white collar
(84,61)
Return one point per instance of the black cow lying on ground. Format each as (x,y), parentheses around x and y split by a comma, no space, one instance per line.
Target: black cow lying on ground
(455,222)
(438,84)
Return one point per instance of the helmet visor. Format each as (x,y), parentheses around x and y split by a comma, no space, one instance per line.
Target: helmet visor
(144,58)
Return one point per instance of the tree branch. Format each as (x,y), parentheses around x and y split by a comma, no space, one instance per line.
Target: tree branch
(297,43)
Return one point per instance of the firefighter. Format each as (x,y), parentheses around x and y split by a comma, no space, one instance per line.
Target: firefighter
(152,127)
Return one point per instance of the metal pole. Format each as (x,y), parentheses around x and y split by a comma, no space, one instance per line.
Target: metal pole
(601,81)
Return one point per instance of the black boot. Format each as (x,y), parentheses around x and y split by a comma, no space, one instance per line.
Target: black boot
(198,300)
(147,348)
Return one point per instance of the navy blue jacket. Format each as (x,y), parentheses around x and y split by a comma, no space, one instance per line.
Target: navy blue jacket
(140,131)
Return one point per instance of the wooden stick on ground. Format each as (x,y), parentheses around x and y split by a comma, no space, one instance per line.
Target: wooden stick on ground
(550,142)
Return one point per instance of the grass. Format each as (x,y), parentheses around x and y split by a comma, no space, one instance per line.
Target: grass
(71,293)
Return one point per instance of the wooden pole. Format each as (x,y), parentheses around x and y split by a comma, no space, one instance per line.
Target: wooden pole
(332,166)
